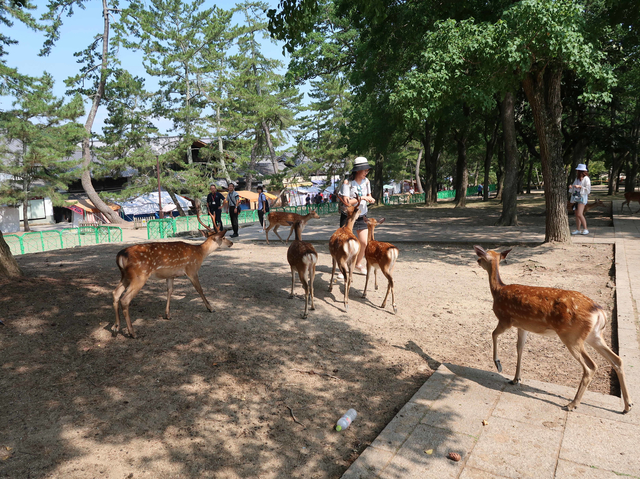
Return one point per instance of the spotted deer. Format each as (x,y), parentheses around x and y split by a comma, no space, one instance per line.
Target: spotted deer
(167,261)
(575,318)
(278,218)
(380,256)
(628,198)
(344,248)
(587,207)
(302,257)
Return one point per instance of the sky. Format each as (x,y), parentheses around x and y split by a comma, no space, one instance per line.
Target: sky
(76,34)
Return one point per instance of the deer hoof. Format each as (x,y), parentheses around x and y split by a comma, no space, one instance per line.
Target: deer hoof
(395,309)
(291,296)
(114,332)
(498,365)
(515,382)
(364,295)
(346,308)
(571,406)
(304,316)
(133,335)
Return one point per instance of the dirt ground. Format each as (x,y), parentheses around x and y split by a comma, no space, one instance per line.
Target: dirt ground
(253,390)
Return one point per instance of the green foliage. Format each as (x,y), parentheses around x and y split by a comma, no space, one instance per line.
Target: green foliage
(40,135)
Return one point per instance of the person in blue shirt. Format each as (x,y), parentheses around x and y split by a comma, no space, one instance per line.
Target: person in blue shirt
(263,206)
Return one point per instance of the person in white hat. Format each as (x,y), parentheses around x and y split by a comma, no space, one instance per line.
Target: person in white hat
(359,185)
(580,190)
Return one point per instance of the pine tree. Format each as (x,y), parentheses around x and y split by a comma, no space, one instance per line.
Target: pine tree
(41,134)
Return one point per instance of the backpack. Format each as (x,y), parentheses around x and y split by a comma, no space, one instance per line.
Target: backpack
(265,202)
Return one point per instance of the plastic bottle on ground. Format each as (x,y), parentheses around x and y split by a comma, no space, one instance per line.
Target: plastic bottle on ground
(346,420)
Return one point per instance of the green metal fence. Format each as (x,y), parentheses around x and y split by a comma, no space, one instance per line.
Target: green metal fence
(419,198)
(321,209)
(170,227)
(40,241)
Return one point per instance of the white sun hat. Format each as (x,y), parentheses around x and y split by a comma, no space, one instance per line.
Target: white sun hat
(581,167)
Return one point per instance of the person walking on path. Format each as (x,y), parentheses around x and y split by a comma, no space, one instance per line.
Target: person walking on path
(233,200)
(214,203)
(358,185)
(580,190)
(263,206)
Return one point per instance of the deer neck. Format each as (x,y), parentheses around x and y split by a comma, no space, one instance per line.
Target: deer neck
(370,237)
(297,233)
(208,246)
(350,222)
(495,283)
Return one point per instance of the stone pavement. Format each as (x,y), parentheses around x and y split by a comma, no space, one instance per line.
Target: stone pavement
(501,430)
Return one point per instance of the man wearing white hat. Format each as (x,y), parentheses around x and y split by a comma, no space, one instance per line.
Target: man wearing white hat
(580,190)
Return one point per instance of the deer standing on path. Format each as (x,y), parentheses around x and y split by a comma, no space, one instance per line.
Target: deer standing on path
(587,207)
(628,198)
(380,256)
(344,248)
(575,318)
(302,257)
(278,218)
(167,260)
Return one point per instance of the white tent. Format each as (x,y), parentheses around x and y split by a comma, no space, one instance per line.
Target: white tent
(148,204)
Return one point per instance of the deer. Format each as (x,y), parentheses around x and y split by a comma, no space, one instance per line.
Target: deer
(596,204)
(344,248)
(380,256)
(571,315)
(628,198)
(168,260)
(302,257)
(278,218)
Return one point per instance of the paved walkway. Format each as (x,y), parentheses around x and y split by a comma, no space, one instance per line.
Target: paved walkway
(509,431)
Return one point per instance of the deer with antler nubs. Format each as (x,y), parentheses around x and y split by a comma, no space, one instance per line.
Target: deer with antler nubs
(302,257)
(380,256)
(344,248)
(167,261)
(575,318)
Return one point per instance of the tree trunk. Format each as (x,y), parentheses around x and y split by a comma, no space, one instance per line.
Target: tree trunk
(542,89)
(488,156)
(25,206)
(462,173)
(419,189)
(509,216)
(577,157)
(500,169)
(530,174)
(221,148)
(431,159)
(86,147)
(272,151)
(172,194)
(8,265)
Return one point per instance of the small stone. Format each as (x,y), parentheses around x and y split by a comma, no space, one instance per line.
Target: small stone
(485,422)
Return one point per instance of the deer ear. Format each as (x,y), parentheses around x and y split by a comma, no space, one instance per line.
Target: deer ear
(381,221)
(480,251)
(504,254)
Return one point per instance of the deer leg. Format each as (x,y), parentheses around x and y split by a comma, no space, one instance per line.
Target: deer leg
(293,280)
(333,272)
(312,276)
(501,328)
(275,230)
(366,281)
(125,300)
(167,313)
(522,338)
(290,232)
(389,288)
(266,231)
(375,278)
(595,341)
(195,281)
(305,285)
(575,346)
(116,305)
